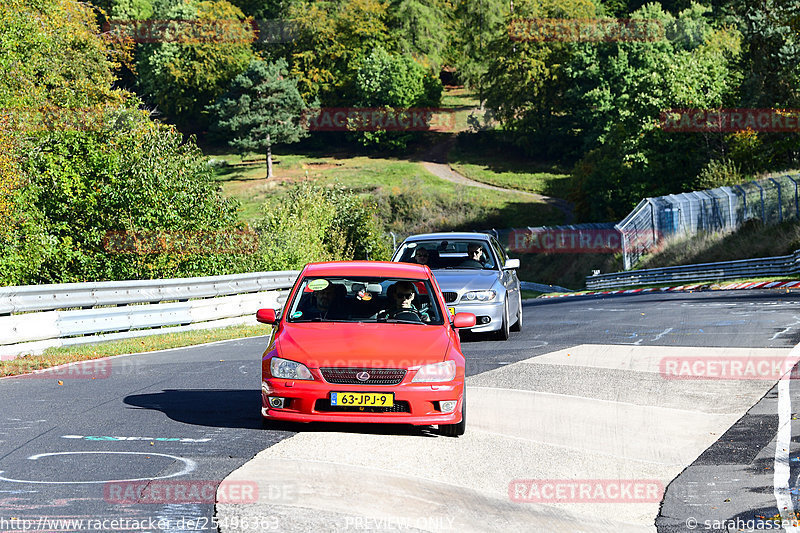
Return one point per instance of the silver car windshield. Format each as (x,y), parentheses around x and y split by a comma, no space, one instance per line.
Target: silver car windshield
(464,254)
(391,300)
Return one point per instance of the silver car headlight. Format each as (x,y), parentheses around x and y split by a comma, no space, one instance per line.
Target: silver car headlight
(285,369)
(478,296)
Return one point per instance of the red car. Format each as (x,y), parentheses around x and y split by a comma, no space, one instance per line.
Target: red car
(364,341)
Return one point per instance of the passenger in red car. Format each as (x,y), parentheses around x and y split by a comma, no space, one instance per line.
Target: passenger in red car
(327,303)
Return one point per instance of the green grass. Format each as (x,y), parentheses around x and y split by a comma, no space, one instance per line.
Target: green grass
(409,198)
(498,168)
(69,354)
(463,103)
(460,99)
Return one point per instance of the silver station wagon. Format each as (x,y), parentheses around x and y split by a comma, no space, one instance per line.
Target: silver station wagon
(475,276)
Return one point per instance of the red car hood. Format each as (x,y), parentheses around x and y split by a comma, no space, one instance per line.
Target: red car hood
(363,344)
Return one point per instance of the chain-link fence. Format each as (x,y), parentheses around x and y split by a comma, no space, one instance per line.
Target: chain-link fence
(771,200)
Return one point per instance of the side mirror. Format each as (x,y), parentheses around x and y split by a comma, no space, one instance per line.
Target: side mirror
(463,320)
(266,316)
(511,264)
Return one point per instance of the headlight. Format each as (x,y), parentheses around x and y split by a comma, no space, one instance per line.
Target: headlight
(436,372)
(479,296)
(285,369)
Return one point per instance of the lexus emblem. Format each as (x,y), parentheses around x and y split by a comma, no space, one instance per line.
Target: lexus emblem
(362,376)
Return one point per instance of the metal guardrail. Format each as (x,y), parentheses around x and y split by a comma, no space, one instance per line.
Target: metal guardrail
(541,287)
(33,318)
(786,265)
(83,295)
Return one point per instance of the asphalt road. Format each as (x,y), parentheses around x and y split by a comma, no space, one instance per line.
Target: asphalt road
(192,414)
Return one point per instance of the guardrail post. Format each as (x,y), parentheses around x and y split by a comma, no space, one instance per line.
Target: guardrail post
(763,212)
(796,202)
(744,201)
(780,202)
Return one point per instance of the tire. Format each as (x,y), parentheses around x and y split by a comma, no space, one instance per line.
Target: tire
(504,331)
(518,325)
(456,430)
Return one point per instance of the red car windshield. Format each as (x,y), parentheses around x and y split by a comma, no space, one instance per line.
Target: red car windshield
(391,300)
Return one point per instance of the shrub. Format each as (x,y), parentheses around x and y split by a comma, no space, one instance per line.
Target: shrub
(313,223)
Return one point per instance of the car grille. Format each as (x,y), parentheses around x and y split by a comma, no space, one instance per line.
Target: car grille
(325,406)
(377,376)
(450,297)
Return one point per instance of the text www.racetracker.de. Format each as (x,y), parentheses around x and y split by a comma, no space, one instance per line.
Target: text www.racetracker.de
(46,523)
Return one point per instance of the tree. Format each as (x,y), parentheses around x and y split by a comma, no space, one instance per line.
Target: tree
(262,107)
(524,78)
(422,29)
(328,36)
(393,81)
(476,24)
(80,160)
(616,94)
(182,75)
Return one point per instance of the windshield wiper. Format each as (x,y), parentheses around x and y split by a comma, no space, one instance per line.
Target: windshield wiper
(400,321)
(317,319)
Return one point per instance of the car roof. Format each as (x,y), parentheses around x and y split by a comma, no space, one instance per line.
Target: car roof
(448,235)
(367,268)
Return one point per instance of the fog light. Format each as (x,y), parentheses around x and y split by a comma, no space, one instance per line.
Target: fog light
(484,319)
(448,406)
(277,403)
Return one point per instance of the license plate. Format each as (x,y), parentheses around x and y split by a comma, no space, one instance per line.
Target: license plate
(452,311)
(360,399)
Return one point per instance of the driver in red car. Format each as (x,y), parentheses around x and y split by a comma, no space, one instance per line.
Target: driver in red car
(401,300)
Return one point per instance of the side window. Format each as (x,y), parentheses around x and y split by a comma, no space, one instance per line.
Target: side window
(501,254)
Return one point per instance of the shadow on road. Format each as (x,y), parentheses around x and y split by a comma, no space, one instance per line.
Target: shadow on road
(240,409)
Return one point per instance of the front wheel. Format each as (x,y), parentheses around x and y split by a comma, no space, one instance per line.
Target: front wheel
(518,325)
(456,430)
(504,331)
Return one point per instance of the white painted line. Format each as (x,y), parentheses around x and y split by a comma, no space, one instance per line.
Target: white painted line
(783,442)
(661,334)
(795,323)
(189,466)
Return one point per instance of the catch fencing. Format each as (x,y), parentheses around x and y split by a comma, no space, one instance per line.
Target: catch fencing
(770,200)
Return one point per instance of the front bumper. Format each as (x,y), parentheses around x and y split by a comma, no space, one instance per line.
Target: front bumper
(492,310)
(306,397)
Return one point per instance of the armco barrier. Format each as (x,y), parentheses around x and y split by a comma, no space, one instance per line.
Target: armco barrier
(787,265)
(34,318)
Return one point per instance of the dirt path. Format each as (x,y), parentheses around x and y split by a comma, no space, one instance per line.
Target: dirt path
(435,161)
